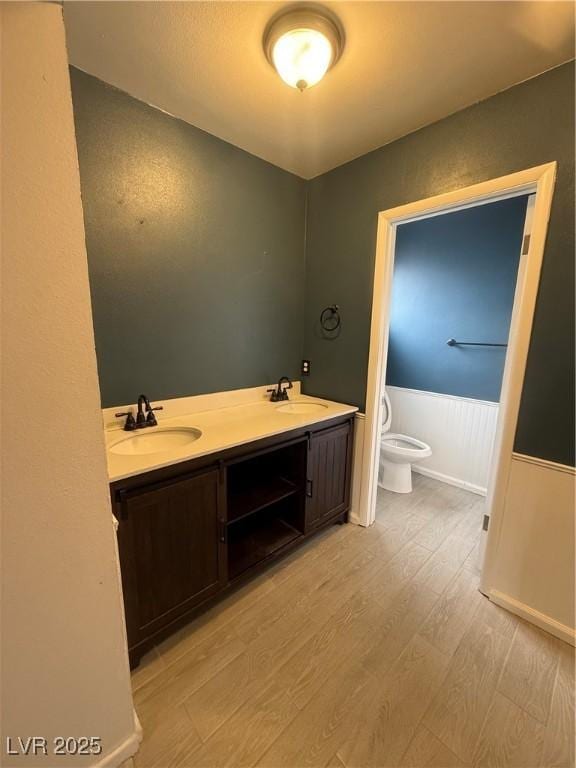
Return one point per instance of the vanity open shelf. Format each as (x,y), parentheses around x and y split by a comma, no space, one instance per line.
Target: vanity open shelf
(249,500)
(192,530)
(259,536)
(265,496)
(266,478)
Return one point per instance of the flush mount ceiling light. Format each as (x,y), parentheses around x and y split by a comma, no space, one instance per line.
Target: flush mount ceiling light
(302,44)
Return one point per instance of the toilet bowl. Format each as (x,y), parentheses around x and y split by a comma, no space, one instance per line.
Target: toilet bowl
(397,454)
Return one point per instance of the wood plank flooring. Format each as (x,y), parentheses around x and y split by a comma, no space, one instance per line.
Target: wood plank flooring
(366,647)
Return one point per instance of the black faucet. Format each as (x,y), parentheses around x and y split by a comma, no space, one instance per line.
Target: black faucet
(144,418)
(279,393)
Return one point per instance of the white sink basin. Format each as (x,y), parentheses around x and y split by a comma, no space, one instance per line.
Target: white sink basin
(153,440)
(301,407)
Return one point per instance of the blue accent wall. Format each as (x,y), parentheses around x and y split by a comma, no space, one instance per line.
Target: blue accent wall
(455,277)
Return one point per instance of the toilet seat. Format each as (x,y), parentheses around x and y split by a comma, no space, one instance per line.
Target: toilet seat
(397,454)
(402,445)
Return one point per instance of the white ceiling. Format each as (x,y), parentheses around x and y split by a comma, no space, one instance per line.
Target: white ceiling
(405,65)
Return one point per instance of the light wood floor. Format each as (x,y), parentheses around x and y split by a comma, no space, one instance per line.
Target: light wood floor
(367,647)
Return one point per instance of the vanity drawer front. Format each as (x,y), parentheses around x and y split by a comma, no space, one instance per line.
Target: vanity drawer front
(169,550)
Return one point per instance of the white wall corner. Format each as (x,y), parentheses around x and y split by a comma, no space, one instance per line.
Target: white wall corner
(356,516)
(65,667)
(535,563)
(541,620)
(122,754)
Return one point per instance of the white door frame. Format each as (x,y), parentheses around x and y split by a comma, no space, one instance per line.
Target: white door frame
(539,180)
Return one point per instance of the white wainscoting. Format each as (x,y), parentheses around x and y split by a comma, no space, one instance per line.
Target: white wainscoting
(534,577)
(459,430)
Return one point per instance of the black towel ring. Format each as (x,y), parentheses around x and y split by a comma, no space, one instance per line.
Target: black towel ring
(330,318)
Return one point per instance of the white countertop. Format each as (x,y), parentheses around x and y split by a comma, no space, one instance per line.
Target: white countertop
(221,428)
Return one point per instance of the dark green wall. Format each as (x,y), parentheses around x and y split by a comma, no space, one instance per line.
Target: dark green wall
(195,250)
(529,124)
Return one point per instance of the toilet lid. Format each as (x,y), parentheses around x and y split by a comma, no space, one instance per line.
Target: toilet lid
(386,412)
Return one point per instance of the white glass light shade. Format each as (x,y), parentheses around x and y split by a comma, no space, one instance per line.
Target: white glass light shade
(302,44)
(302,57)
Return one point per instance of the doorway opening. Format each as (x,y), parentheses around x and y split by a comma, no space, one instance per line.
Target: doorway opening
(535,187)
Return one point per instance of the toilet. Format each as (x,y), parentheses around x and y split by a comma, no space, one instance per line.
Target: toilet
(397,454)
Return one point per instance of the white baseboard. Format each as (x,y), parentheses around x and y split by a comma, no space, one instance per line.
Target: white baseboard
(448,480)
(546,623)
(353,518)
(124,751)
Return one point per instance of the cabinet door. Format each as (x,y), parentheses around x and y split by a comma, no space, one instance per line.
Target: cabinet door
(328,480)
(169,551)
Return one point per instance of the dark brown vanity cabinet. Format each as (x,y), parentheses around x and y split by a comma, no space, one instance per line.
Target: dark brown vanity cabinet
(189,531)
(328,481)
(170,551)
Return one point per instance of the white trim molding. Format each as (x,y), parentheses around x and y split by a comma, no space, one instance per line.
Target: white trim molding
(539,181)
(547,623)
(544,463)
(357,464)
(124,752)
(426,393)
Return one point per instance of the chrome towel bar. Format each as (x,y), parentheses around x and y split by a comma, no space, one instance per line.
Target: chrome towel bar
(454,343)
